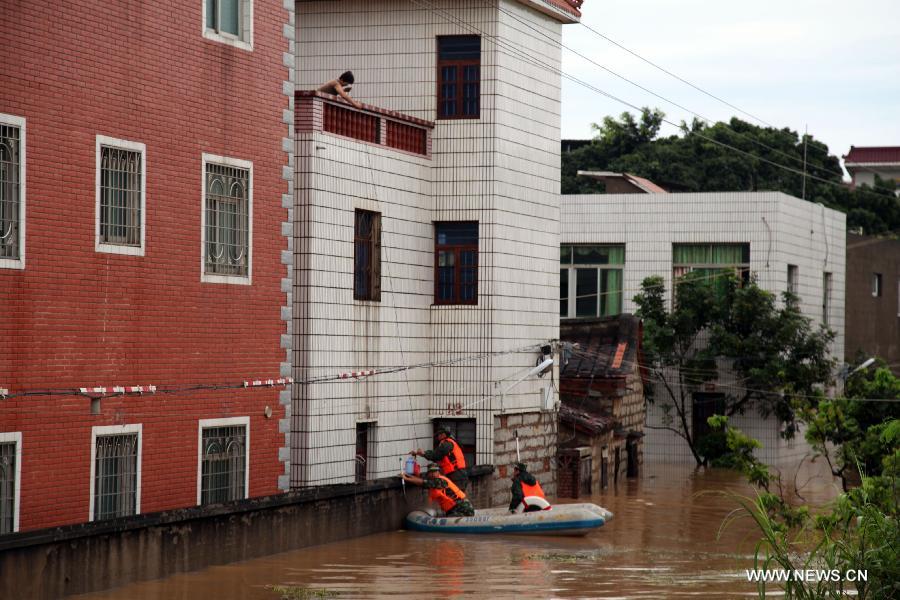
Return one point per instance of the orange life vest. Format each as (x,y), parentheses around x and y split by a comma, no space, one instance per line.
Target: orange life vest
(532,490)
(454,460)
(446,497)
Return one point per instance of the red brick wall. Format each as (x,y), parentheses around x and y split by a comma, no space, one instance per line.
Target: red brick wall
(140,71)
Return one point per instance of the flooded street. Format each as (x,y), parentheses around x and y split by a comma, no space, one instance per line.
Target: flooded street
(662,543)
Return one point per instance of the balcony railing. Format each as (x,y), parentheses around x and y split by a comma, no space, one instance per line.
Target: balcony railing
(317,111)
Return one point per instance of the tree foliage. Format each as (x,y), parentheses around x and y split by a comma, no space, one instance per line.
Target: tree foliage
(690,162)
(780,359)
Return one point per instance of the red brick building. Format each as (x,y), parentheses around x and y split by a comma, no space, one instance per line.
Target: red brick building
(144,185)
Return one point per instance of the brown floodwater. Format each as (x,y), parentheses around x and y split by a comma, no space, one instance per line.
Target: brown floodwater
(664,542)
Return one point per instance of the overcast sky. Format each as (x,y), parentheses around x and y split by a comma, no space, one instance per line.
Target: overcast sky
(832,66)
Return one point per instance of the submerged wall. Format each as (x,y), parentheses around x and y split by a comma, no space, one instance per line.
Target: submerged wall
(51,563)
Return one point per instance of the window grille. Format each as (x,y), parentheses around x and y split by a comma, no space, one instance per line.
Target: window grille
(367,256)
(223,466)
(120,196)
(592,277)
(459,77)
(7,487)
(10,191)
(826,298)
(227,220)
(456,263)
(115,476)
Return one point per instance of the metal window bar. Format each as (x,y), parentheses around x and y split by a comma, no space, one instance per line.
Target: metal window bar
(10,191)
(227,220)
(115,476)
(223,468)
(120,196)
(367,256)
(7,487)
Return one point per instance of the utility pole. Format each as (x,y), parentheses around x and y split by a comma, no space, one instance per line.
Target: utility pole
(805,136)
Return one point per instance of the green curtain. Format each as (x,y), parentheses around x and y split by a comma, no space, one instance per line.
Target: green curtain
(711,254)
(611,300)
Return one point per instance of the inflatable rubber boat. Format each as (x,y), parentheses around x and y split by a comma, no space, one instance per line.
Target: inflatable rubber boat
(561,519)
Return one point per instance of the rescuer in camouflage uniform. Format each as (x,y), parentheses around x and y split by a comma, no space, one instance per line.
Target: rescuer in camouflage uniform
(443,451)
(441,490)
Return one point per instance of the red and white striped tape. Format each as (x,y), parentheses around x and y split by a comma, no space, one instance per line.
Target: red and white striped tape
(356,374)
(269,382)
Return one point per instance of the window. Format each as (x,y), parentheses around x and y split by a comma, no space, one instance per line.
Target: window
(459,77)
(228,219)
(712,261)
(115,471)
(793,279)
(463,431)
(367,256)
(229,21)
(704,406)
(456,262)
(590,279)
(121,196)
(876,285)
(365,455)
(224,469)
(12,192)
(826,298)
(10,478)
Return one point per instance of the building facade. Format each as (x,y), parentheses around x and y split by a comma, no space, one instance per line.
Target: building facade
(610,243)
(873,300)
(426,229)
(144,156)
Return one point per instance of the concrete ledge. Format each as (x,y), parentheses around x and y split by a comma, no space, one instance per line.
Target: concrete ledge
(77,559)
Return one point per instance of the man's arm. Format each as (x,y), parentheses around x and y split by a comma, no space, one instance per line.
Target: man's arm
(345,95)
(517,495)
(438,454)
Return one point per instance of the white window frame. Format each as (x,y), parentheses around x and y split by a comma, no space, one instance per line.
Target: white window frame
(100,430)
(571,267)
(131,146)
(240,164)
(18,263)
(16,438)
(226,422)
(245,40)
(793,285)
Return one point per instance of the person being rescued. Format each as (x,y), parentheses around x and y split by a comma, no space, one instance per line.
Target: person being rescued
(449,456)
(526,486)
(443,492)
(341,87)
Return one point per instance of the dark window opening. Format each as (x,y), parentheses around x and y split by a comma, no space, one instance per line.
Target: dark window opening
(459,77)
(463,431)
(456,262)
(362,451)
(367,256)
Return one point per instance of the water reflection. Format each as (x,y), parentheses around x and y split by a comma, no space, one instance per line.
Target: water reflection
(662,544)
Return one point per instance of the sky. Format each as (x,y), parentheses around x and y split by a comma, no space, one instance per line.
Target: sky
(833,67)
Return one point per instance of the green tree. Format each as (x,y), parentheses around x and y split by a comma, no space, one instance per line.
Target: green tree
(694,160)
(773,350)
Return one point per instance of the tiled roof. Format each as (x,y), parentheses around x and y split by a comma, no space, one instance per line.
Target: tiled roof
(606,347)
(873,154)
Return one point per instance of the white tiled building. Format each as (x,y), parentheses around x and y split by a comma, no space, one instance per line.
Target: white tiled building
(791,244)
(460,174)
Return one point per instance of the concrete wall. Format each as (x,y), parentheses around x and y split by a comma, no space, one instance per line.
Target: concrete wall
(781,231)
(537,449)
(64,561)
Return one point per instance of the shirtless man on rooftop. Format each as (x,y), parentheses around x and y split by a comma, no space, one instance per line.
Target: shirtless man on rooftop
(340,87)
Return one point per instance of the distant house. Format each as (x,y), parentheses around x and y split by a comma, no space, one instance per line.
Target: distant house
(864,163)
(612,242)
(623,183)
(602,411)
(873,299)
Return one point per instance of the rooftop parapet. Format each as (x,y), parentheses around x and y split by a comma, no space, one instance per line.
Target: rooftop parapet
(318,111)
